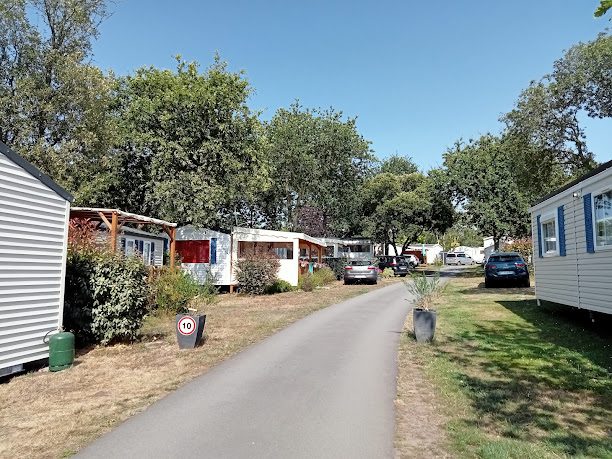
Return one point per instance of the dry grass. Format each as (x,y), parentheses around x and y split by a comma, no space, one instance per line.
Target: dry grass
(45,414)
(420,424)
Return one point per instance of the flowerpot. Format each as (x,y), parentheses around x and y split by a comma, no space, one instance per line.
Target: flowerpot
(189,329)
(424,324)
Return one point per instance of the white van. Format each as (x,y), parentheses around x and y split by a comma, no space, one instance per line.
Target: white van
(458,258)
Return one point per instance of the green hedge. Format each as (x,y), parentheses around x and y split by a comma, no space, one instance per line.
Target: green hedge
(106,297)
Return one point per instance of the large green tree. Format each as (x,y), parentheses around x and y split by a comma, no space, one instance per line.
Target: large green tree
(545,128)
(54,105)
(482,180)
(318,161)
(396,208)
(189,149)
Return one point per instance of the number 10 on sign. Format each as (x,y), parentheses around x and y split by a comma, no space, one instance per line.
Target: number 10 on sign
(186,325)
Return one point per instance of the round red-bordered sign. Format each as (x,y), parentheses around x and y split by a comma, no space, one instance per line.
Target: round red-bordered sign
(186,325)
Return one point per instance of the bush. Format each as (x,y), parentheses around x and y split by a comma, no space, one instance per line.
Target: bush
(279,286)
(308,282)
(523,246)
(387,273)
(337,266)
(256,271)
(172,289)
(106,296)
(323,276)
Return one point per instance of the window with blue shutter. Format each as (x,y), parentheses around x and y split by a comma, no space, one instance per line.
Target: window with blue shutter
(152,258)
(588,223)
(561,224)
(213,251)
(122,243)
(538,218)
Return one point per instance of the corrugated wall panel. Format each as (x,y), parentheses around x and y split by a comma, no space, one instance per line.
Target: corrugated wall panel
(33,228)
(592,272)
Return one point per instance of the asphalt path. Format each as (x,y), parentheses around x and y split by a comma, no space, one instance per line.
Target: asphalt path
(323,387)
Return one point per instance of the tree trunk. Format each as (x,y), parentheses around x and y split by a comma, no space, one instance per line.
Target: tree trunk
(496,242)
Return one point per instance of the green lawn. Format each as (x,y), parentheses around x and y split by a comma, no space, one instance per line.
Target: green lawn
(515,380)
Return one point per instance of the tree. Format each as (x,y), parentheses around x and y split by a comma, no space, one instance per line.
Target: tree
(396,208)
(396,164)
(54,105)
(482,182)
(603,8)
(544,129)
(317,160)
(190,144)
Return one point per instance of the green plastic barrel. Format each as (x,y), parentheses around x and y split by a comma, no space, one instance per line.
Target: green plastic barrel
(61,351)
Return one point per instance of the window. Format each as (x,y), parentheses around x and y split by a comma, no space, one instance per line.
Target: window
(129,247)
(602,210)
(146,253)
(283,250)
(549,236)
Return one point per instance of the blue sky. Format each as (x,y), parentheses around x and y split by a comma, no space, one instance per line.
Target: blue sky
(418,75)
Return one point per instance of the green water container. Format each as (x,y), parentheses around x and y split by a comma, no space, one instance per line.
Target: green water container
(61,351)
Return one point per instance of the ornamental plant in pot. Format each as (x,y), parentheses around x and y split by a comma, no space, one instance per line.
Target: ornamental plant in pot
(423,289)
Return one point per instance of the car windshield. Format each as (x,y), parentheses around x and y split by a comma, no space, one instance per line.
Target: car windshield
(359,263)
(502,258)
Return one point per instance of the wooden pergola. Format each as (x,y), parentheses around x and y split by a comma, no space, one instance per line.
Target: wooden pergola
(114,219)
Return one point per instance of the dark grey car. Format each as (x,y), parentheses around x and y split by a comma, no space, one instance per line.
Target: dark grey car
(360,271)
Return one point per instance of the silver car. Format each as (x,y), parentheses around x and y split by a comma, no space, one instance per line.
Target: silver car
(360,271)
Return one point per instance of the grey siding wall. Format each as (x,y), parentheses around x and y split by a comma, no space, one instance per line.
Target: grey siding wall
(580,279)
(33,232)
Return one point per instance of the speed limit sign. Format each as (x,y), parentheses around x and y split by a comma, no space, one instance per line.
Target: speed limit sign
(186,325)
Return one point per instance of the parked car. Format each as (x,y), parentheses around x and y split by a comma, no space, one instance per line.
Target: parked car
(506,267)
(360,271)
(399,264)
(413,260)
(458,258)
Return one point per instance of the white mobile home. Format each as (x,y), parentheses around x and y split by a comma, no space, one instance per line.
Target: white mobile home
(572,243)
(33,240)
(204,250)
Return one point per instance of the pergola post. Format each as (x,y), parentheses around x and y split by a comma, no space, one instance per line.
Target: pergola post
(113,231)
(320,254)
(172,246)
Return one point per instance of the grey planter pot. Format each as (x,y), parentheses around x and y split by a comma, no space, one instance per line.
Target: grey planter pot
(424,324)
(189,329)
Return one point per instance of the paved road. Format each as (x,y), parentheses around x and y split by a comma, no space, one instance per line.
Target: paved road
(322,388)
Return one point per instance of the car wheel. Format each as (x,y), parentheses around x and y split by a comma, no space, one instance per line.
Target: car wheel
(488,283)
(526,283)
(402,275)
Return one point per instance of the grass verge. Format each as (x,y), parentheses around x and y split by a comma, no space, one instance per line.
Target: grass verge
(46,414)
(509,379)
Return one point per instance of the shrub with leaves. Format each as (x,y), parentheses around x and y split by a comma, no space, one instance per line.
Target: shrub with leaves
(306,282)
(256,271)
(423,288)
(337,266)
(523,246)
(172,289)
(387,273)
(279,286)
(106,296)
(323,276)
